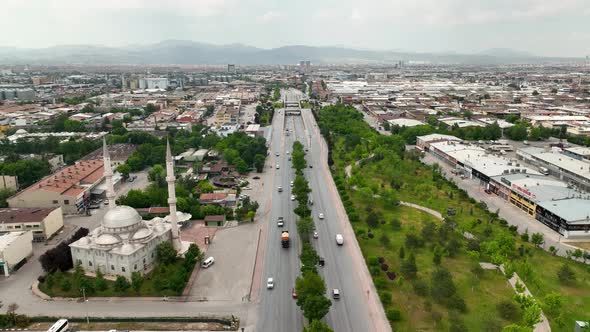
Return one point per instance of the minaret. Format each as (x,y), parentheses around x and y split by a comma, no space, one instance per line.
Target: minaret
(171,179)
(108,174)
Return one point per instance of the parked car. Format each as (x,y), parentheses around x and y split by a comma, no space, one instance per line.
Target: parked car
(321,261)
(294,294)
(292,197)
(270,283)
(321,215)
(315,235)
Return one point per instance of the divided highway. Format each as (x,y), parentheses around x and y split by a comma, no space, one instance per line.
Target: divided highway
(359,308)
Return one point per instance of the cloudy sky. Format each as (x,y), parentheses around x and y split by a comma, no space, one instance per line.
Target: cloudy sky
(542,27)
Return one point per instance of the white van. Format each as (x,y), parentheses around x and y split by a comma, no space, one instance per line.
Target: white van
(208,262)
(339,239)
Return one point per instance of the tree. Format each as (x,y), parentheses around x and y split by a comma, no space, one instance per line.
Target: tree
(384,239)
(402,252)
(578,253)
(166,253)
(537,239)
(317,326)
(565,274)
(124,169)
(136,281)
(315,307)
(100,282)
(517,132)
(408,267)
(121,284)
(507,310)
(259,162)
(553,302)
(157,174)
(373,219)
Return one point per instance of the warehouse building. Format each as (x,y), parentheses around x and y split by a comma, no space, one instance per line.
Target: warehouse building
(43,222)
(15,249)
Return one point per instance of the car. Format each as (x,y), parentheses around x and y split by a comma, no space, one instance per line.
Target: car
(291,183)
(339,239)
(321,215)
(315,235)
(276,154)
(280,189)
(94,206)
(106,202)
(292,197)
(321,261)
(287,152)
(289,158)
(280,222)
(294,294)
(310,166)
(256,177)
(278,166)
(336,293)
(208,262)
(487,191)
(270,283)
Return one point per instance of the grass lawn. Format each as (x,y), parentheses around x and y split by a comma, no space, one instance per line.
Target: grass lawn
(156,283)
(416,184)
(481,295)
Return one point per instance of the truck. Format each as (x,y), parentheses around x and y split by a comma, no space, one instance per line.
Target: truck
(285,239)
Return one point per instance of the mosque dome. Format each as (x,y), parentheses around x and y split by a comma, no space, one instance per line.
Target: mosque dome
(106,240)
(121,216)
(141,233)
(127,249)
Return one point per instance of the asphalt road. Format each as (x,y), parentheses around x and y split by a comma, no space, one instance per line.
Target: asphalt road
(278,311)
(358,309)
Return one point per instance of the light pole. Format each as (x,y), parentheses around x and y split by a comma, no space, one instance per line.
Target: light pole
(84,297)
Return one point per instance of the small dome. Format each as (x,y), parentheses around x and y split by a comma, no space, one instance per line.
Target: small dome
(121,216)
(84,241)
(127,249)
(106,239)
(142,233)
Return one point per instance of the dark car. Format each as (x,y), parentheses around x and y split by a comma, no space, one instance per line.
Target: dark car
(321,261)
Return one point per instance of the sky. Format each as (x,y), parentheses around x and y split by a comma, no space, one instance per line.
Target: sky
(541,27)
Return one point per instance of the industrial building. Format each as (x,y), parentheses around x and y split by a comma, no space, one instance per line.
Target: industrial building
(43,222)
(15,249)
(70,188)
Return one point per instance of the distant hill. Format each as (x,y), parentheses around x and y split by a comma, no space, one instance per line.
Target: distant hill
(190,52)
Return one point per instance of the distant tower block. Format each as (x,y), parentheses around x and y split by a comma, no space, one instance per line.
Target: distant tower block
(231,68)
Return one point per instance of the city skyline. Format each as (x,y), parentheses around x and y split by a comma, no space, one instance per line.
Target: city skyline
(539,27)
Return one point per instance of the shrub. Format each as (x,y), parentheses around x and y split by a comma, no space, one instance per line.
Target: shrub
(380,283)
(456,302)
(565,274)
(370,235)
(420,288)
(524,237)
(384,267)
(507,310)
(385,298)
(391,275)
(394,315)
(121,284)
(381,259)
(375,271)
(373,261)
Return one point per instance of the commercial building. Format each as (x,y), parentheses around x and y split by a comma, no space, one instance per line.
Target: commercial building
(152,83)
(564,209)
(69,188)
(15,249)
(558,164)
(44,223)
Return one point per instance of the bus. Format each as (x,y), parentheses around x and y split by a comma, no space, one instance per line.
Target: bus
(59,326)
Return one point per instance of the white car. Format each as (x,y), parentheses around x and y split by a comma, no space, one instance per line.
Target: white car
(280,222)
(292,197)
(291,183)
(287,152)
(270,283)
(315,235)
(321,215)
(278,166)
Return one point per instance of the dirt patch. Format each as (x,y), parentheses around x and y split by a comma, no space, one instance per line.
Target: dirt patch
(581,245)
(135,326)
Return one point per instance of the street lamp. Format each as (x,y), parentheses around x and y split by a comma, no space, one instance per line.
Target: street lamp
(83,289)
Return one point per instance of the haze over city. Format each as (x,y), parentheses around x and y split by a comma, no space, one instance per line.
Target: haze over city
(539,27)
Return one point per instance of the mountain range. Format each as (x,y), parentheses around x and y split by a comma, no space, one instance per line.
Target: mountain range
(192,53)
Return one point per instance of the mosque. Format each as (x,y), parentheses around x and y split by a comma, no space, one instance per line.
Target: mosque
(124,243)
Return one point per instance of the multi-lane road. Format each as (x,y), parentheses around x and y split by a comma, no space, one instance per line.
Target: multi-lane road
(358,308)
